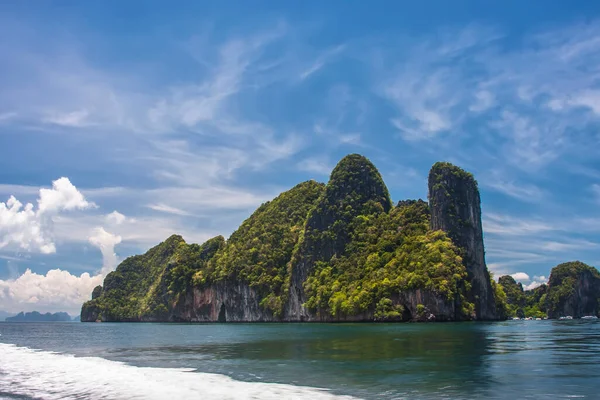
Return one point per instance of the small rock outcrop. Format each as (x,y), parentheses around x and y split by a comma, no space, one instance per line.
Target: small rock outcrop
(355,186)
(573,290)
(456,209)
(97,292)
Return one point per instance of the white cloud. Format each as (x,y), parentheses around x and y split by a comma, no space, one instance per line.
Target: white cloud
(31,229)
(528,282)
(57,290)
(115,217)
(23,227)
(106,242)
(520,277)
(536,282)
(62,197)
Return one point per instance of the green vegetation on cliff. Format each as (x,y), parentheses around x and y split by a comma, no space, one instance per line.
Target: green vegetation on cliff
(142,286)
(355,188)
(573,289)
(257,253)
(520,303)
(515,296)
(442,168)
(388,254)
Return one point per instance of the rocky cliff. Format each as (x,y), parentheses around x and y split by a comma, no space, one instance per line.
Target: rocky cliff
(354,187)
(455,209)
(573,289)
(335,252)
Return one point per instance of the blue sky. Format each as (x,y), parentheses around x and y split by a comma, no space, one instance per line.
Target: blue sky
(183,120)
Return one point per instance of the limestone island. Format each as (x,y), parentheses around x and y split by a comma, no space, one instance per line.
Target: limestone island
(338,252)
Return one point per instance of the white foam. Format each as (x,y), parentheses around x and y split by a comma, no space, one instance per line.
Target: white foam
(47,375)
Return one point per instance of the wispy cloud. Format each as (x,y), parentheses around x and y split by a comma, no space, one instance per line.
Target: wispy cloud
(76,119)
(508,225)
(321,60)
(534,95)
(319,166)
(527,193)
(7,116)
(167,209)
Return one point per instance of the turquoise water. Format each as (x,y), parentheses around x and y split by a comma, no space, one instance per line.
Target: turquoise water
(505,360)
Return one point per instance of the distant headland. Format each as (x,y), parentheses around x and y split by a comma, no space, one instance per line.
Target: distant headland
(35,316)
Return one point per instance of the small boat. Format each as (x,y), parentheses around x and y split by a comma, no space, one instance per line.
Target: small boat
(589,317)
(538,319)
(565,318)
(516,319)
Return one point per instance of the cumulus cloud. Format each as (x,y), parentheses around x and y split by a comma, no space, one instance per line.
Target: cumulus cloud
(520,276)
(22,226)
(536,282)
(115,218)
(106,242)
(57,290)
(30,228)
(528,282)
(62,197)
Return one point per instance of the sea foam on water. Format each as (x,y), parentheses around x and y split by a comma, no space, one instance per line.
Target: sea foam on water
(48,375)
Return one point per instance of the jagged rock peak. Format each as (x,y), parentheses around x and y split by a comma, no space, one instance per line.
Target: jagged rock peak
(456,209)
(358,180)
(97,292)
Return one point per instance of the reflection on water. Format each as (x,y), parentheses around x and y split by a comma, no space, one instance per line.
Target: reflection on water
(514,359)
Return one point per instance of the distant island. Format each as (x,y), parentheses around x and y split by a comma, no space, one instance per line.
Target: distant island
(338,252)
(35,316)
(572,290)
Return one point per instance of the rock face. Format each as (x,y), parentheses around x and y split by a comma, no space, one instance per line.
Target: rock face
(221,302)
(573,289)
(354,185)
(456,209)
(426,306)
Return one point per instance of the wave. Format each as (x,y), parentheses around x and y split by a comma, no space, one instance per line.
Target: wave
(47,375)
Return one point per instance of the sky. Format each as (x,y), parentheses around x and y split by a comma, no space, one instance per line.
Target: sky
(122,123)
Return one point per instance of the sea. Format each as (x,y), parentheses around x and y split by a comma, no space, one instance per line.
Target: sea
(468,360)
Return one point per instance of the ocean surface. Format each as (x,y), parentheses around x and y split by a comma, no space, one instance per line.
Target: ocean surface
(503,360)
